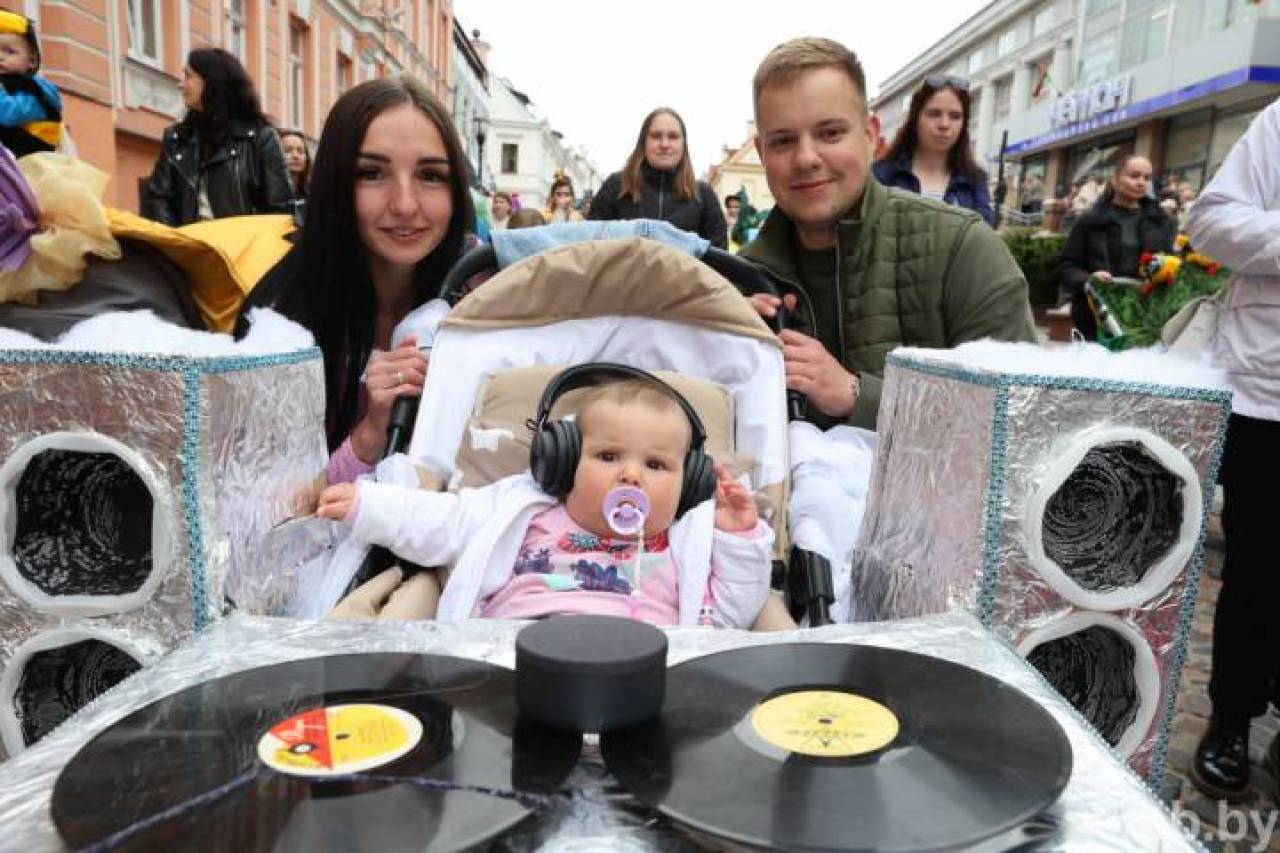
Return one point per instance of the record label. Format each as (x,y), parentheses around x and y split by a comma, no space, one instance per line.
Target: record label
(339,739)
(824,723)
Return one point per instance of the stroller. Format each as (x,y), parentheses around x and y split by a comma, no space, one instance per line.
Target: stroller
(630,300)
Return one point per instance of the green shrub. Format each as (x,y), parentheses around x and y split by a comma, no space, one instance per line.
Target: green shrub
(1036,256)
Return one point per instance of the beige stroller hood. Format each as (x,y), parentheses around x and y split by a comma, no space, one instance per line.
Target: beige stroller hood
(633,301)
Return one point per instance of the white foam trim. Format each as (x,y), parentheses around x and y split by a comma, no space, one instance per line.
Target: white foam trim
(1092,361)
(10,726)
(142,333)
(1064,457)
(1146,674)
(163,527)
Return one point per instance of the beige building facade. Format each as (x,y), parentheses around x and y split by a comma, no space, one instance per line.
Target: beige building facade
(117,63)
(738,168)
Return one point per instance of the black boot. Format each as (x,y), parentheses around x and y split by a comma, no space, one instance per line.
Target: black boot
(1221,766)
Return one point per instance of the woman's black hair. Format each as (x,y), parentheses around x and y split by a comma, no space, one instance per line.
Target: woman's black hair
(960,158)
(228,96)
(328,288)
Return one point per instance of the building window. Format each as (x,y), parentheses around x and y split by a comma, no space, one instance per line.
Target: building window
(906,103)
(1004,97)
(1043,86)
(1196,18)
(144,29)
(235,28)
(1009,41)
(1145,32)
(1099,51)
(510,158)
(976,61)
(342,74)
(297,74)
(1043,21)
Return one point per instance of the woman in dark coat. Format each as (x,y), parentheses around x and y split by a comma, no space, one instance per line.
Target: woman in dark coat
(931,154)
(1111,236)
(657,183)
(223,158)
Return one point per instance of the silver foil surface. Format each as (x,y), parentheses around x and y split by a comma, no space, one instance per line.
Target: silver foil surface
(229,446)
(962,451)
(1104,806)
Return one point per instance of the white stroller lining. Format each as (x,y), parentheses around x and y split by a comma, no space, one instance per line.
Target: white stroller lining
(749,368)
(830,482)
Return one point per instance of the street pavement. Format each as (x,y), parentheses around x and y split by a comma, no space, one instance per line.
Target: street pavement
(1192,717)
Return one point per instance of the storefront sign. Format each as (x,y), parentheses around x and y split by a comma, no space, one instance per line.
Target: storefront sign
(1090,103)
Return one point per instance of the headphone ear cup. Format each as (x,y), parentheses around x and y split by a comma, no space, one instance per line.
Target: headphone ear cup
(699,481)
(541,458)
(560,462)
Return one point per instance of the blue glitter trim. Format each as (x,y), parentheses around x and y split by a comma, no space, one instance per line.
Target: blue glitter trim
(994,506)
(191,495)
(172,363)
(1066,383)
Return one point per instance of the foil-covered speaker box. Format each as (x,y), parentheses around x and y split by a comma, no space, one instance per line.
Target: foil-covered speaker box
(135,492)
(1064,507)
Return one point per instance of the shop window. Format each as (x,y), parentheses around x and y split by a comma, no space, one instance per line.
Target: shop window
(1227,130)
(1098,160)
(1031,188)
(144,30)
(510,158)
(1186,149)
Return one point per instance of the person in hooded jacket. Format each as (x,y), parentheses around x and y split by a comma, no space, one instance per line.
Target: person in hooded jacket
(223,158)
(658,183)
(1111,236)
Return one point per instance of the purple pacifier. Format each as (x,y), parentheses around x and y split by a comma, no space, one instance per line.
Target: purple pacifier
(625,508)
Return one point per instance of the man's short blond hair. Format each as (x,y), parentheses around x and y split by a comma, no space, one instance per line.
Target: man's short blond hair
(792,58)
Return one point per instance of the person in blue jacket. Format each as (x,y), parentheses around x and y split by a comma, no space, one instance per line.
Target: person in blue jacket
(931,154)
(30,106)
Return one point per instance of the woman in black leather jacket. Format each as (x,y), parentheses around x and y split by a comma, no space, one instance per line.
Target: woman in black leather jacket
(223,158)
(657,183)
(1111,236)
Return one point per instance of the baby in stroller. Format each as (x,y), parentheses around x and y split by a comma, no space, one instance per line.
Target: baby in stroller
(615,517)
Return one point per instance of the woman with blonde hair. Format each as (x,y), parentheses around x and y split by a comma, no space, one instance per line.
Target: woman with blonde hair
(560,202)
(658,183)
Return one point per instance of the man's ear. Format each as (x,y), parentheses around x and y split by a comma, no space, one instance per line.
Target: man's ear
(873,130)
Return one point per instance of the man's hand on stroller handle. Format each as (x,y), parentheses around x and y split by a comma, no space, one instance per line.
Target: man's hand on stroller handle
(813,371)
(766,304)
(389,375)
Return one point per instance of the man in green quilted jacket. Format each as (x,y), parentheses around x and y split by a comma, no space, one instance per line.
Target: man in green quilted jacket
(863,268)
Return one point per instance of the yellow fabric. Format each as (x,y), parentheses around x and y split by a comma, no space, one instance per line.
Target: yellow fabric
(12,22)
(73,223)
(45,131)
(223,258)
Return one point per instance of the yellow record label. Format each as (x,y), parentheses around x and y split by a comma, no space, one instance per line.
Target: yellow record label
(824,723)
(339,739)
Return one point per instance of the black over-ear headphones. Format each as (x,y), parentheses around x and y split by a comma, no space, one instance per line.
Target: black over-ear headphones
(557,445)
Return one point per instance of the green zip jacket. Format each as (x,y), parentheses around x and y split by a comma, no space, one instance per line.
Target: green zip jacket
(911,272)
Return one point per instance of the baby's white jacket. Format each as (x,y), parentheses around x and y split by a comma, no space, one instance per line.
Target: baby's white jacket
(479,533)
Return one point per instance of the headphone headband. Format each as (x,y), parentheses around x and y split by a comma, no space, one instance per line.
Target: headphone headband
(588,374)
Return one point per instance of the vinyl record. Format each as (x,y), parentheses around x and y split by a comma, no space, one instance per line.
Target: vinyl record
(377,752)
(812,746)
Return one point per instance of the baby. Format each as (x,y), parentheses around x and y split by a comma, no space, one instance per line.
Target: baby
(30,107)
(517,552)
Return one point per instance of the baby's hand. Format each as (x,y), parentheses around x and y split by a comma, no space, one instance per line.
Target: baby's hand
(735,508)
(336,501)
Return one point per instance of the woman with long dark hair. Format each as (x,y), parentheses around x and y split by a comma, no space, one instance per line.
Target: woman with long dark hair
(223,158)
(297,160)
(390,207)
(658,183)
(931,153)
(1110,237)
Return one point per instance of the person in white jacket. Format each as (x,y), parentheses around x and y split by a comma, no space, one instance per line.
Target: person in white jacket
(1236,221)
(516,551)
